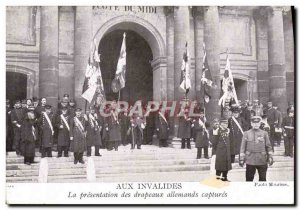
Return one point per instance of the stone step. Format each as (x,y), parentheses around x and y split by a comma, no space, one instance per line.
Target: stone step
(102,169)
(274,174)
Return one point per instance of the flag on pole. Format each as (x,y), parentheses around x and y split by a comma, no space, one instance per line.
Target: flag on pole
(185,81)
(93,89)
(206,80)
(119,81)
(228,89)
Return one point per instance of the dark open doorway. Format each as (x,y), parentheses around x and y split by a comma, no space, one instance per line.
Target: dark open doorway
(16,86)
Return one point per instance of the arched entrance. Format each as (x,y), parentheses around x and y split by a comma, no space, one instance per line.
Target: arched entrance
(241,88)
(139,74)
(16,86)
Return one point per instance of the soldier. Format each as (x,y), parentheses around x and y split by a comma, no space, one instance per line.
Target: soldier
(136,131)
(93,135)
(201,135)
(256,151)
(270,112)
(221,146)
(277,126)
(162,128)
(17,116)
(124,121)
(35,102)
(289,133)
(24,105)
(38,112)
(213,134)
(237,126)
(78,126)
(290,106)
(113,129)
(184,129)
(63,126)
(29,135)
(257,108)
(47,122)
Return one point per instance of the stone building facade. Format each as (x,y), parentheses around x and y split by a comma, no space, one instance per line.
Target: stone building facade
(47,48)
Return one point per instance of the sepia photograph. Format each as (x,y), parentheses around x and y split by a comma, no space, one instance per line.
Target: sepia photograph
(150,105)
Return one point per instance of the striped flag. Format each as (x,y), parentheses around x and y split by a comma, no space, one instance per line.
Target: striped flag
(93,89)
(206,80)
(119,81)
(228,89)
(185,82)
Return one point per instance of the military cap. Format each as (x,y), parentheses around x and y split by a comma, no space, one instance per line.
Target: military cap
(78,110)
(256,119)
(48,107)
(235,109)
(66,95)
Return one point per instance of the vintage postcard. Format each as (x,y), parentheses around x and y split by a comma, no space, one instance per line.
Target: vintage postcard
(142,104)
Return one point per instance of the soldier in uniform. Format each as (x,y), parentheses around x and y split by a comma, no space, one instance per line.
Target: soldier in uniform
(221,146)
(124,121)
(256,151)
(47,122)
(185,129)
(201,135)
(257,108)
(113,129)
(38,112)
(63,126)
(78,126)
(162,128)
(93,134)
(237,126)
(29,135)
(289,133)
(270,112)
(17,116)
(137,126)
(277,126)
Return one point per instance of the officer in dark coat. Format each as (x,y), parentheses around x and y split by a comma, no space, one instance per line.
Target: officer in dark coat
(93,135)
(17,116)
(162,128)
(222,147)
(113,129)
(78,126)
(185,129)
(201,135)
(256,151)
(237,125)
(63,126)
(9,127)
(46,124)
(38,113)
(271,116)
(29,135)
(137,126)
(289,133)
(124,121)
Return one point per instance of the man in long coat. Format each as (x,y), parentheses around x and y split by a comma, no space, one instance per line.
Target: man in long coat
(17,116)
(185,129)
(113,129)
(136,131)
(288,126)
(63,138)
(162,128)
(222,147)
(78,126)
(93,135)
(201,135)
(237,125)
(46,124)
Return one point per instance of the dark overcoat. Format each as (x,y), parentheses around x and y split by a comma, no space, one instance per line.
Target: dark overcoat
(78,144)
(114,129)
(236,134)
(222,148)
(45,130)
(29,136)
(201,136)
(162,127)
(63,138)
(184,128)
(93,135)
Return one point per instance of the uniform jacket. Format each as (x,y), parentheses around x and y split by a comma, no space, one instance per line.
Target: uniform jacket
(256,145)
(78,144)
(17,116)
(63,138)
(288,126)
(222,147)
(29,136)
(184,127)
(271,116)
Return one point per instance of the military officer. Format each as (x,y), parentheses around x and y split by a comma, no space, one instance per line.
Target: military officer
(78,126)
(47,122)
(162,128)
(257,108)
(201,135)
(221,146)
(136,131)
(237,125)
(113,129)
(17,119)
(256,151)
(93,135)
(289,133)
(63,138)
(185,129)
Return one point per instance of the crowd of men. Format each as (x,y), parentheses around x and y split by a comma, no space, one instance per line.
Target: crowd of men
(245,133)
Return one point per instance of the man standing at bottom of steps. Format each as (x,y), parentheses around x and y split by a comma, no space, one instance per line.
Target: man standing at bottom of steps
(256,151)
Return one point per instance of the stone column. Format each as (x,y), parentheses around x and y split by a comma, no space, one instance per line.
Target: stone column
(276,54)
(198,28)
(83,40)
(212,43)
(169,12)
(48,57)
(181,36)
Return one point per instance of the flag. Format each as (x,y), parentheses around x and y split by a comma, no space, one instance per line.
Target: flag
(228,90)
(206,80)
(93,89)
(119,81)
(185,82)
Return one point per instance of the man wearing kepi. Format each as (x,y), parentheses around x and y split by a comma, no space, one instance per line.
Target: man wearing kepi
(78,126)
(256,151)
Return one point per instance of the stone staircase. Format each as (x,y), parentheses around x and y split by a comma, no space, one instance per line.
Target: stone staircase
(151,163)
